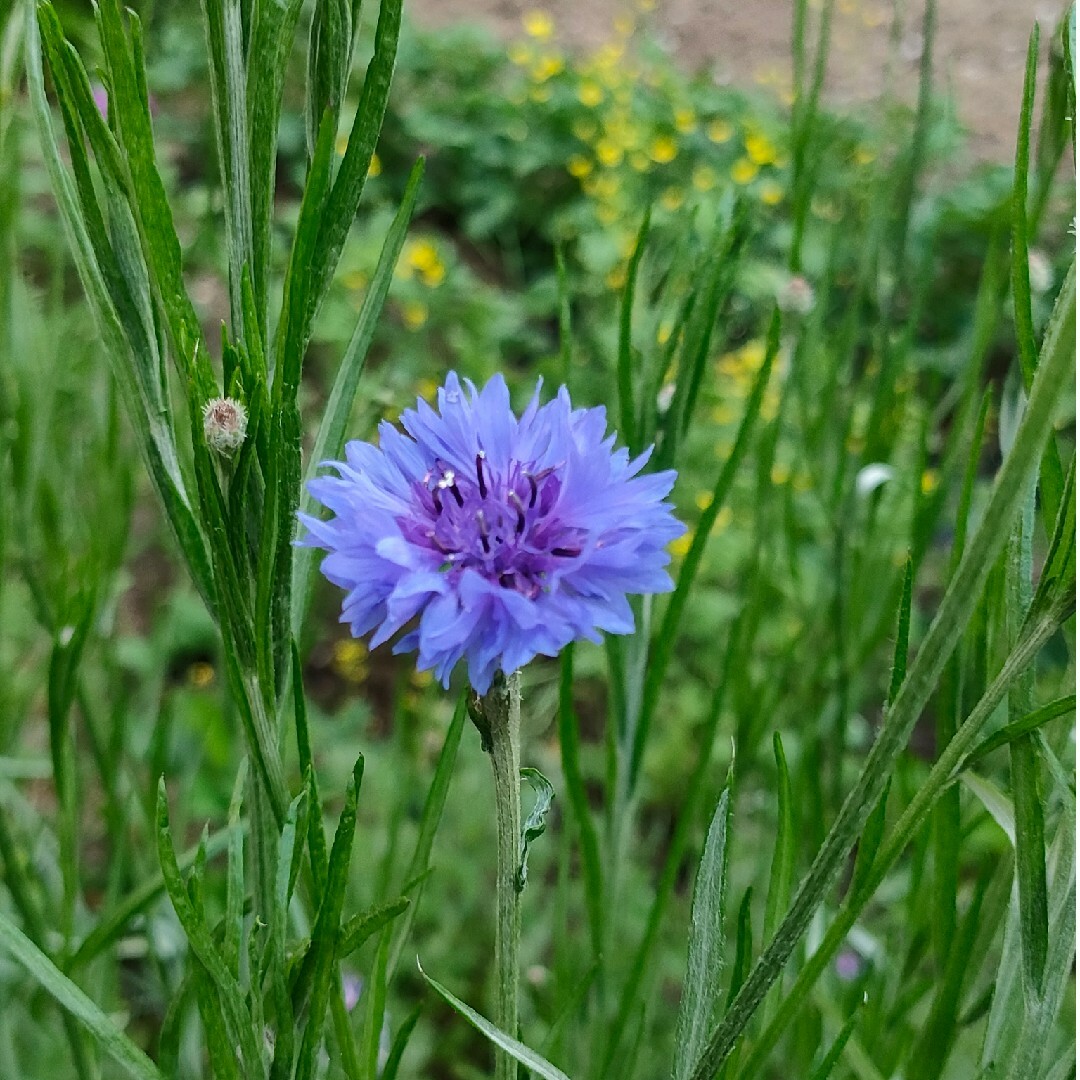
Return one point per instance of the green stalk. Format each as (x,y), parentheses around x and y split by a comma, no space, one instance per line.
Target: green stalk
(501,710)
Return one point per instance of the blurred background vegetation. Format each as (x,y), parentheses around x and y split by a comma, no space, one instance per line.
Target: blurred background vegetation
(886,248)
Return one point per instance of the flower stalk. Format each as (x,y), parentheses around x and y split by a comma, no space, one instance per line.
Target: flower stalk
(500,709)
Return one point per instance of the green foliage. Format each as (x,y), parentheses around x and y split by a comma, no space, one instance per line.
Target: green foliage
(810,316)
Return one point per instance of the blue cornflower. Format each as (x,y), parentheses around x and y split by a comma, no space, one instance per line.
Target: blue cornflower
(502,537)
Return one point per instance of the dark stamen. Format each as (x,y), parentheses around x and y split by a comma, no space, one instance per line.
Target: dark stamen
(480,475)
(457,494)
(515,498)
(532,489)
(566,553)
(437,501)
(482,522)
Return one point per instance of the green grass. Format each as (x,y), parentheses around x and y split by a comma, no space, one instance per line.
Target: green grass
(814,818)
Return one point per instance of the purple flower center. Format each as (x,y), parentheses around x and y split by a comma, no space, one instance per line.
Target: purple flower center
(502,527)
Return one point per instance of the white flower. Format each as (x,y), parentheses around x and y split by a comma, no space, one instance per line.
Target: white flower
(871,477)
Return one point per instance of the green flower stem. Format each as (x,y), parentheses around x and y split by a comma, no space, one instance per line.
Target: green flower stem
(501,709)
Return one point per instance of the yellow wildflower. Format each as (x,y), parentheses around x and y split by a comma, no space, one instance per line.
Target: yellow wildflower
(540,94)
(547,67)
(639,161)
(681,546)
(743,171)
(685,121)
(350,660)
(672,199)
(616,277)
(608,153)
(579,166)
(414,313)
(590,94)
(760,149)
(864,156)
(719,130)
(663,149)
(538,24)
(770,193)
(723,519)
(724,414)
(354,280)
(428,389)
(928,481)
(780,474)
(606,214)
(702,500)
(623,25)
(664,332)
(375,168)
(606,187)
(423,257)
(704,178)
(341,143)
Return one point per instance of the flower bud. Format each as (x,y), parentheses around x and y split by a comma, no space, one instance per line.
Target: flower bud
(224,424)
(796,296)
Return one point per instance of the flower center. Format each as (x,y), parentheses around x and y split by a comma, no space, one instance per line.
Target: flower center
(502,526)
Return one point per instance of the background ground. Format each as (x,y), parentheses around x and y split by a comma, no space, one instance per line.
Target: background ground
(979,52)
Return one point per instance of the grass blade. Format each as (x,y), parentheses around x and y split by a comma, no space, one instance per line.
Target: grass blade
(331,435)
(324,938)
(705,960)
(517,1050)
(113,1041)
(961,598)
(429,824)
(569,744)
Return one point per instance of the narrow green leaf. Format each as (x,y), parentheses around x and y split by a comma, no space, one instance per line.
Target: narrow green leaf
(534,825)
(570,747)
(1032,722)
(836,1048)
(625,373)
(114,923)
(744,945)
(518,1051)
(931,1051)
(113,1041)
(234,888)
(237,1017)
(228,96)
(782,872)
(352,173)
(360,927)
(375,1001)
(271,45)
(400,1044)
(664,642)
(903,632)
(325,936)
(961,598)
(701,986)
(331,435)
(429,823)
(1021,284)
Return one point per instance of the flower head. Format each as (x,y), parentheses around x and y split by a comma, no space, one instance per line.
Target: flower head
(503,537)
(224,424)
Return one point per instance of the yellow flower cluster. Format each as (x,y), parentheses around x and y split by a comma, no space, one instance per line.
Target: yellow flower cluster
(421,259)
